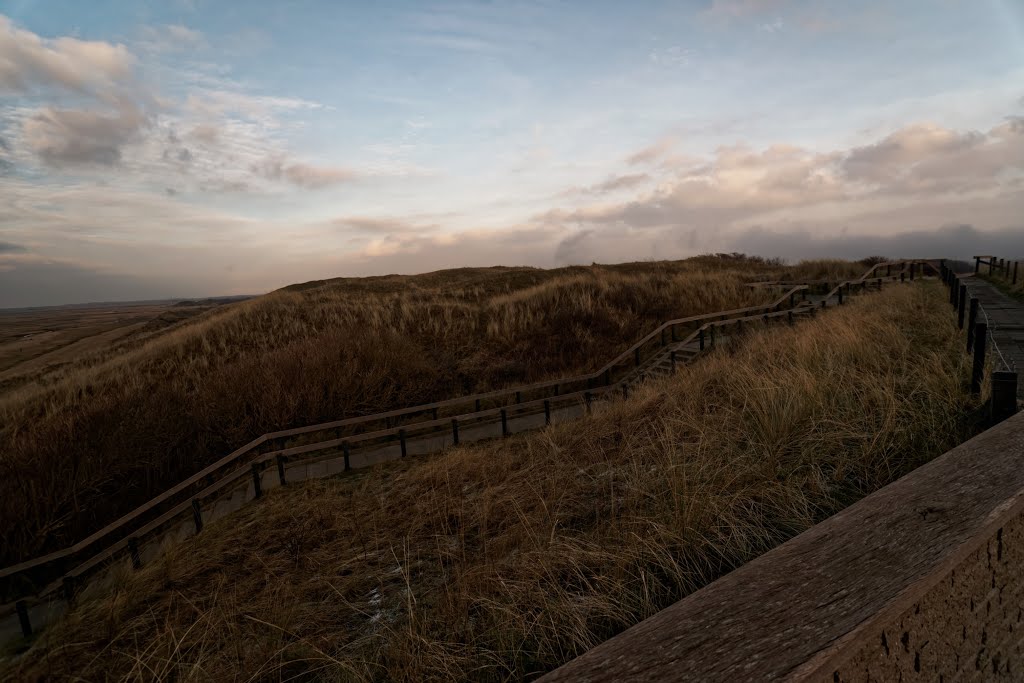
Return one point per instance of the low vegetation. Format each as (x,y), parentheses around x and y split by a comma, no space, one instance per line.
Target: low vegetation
(88,442)
(502,560)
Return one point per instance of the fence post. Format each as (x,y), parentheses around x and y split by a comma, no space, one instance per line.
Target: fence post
(1004,395)
(1015,264)
(700,338)
(972,318)
(711,331)
(673,328)
(26,626)
(840,295)
(888,269)
(912,271)
(476,406)
(954,289)
(903,276)
(197,515)
(792,298)
(68,586)
(625,392)
(402,443)
(587,397)
(455,431)
(879,284)
(346,451)
(978,369)
(961,304)
(977,264)
(608,376)
(547,412)
(991,264)
(672,361)
(504,422)
(257,481)
(636,356)
(663,336)
(133,551)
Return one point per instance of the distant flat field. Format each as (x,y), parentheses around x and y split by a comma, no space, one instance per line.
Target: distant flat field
(36,341)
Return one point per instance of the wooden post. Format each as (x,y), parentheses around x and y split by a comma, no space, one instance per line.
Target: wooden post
(587,397)
(978,369)
(547,412)
(672,361)
(608,376)
(26,626)
(346,451)
(991,264)
(476,406)
(792,298)
(673,328)
(1015,264)
(663,336)
(625,392)
(133,552)
(435,413)
(455,431)
(197,515)
(789,317)
(711,330)
(879,284)
(912,271)
(280,470)
(972,318)
(961,306)
(519,397)
(68,586)
(888,269)
(954,289)
(636,356)
(840,291)
(1004,395)
(402,442)
(257,483)
(977,264)
(504,422)
(903,276)
(700,338)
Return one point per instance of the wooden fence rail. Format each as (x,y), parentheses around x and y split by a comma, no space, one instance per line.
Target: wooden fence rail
(61,574)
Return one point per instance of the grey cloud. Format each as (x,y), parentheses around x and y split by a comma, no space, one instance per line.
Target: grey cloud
(951,241)
(570,249)
(381,225)
(68,136)
(302,175)
(10,248)
(52,283)
(622,182)
(29,62)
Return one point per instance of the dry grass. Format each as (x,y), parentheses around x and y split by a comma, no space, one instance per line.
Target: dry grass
(502,560)
(87,443)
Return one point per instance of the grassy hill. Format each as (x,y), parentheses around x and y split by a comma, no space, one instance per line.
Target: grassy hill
(86,443)
(501,560)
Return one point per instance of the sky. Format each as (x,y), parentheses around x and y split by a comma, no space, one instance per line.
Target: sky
(185,148)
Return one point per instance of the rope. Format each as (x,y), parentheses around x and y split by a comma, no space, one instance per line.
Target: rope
(992,340)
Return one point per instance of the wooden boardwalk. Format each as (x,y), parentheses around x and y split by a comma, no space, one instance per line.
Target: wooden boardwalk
(1005,319)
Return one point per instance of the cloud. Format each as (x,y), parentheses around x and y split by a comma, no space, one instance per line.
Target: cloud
(737,9)
(381,225)
(303,175)
(651,153)
(170,38)
(68,136)
(10,248)
(29,62)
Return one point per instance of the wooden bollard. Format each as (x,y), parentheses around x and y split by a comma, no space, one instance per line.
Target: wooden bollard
(133,552)
(197,515)
(257,480)
(1004,395)
(455,431)
(504,422)
(961,306)
(347,453)
(978,368)
(972,319)
(547,412)
(402,442)
(21,607)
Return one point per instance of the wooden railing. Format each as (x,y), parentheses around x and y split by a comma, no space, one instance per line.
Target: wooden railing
(61,573)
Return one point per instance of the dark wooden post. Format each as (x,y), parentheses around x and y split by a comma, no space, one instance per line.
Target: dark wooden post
(197,515)
(346,451)
(587,397)
(663,336)
(547,412)
(672,361)
(625,392)
(961,306)
(840,292)
(402,443)
(711,331)
(504,422)
(257,483)
(455,431)
(700,338)
(991,264)
(888,269)
(673,328)
(133,552)
(68,586)
(476,406)
(435,413)
(789,317)
(972,318)
(1004,395)
(1015,264)
(608,376)
(903,276)
(912,271)
(977,264)
(636,356)
(978,369)
(792,299)
(879,284)
(954,289)
(26,626)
